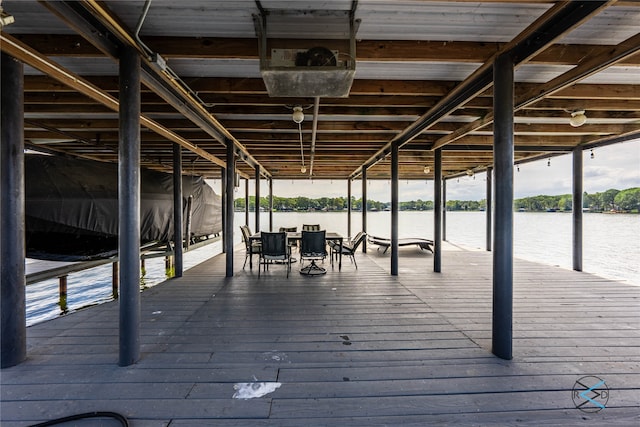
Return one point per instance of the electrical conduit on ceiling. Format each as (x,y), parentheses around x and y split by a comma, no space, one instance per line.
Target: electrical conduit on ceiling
(314,132)
(173,80)
(34,59)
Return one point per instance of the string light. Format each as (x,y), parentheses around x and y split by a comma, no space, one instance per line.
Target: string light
(592,155)
(518,168)
(549,162)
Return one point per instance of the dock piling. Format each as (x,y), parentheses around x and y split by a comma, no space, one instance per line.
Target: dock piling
(62,294)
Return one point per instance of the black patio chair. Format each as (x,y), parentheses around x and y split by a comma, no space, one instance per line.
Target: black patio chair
(274,248)
(251,248)
(310,227)
(292,243)
(349,248)
(313,248)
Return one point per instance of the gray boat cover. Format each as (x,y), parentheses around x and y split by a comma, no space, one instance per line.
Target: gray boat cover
(71,208)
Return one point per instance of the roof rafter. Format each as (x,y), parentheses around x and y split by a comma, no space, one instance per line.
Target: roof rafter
(554,23)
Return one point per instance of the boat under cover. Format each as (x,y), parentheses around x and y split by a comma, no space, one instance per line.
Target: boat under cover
(71,208)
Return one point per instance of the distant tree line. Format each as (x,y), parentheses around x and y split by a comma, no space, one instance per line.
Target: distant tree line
(611,200)
(285,204)
(626,200)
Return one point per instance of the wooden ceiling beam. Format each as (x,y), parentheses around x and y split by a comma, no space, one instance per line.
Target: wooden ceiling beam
(475,140)
(239,86)
(589,66)
(534,39)
(600,109)
(588,105)
(345,127)
(368,50)
(350,130)
(597,97)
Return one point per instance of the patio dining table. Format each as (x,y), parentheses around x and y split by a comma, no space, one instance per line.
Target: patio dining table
(294,236)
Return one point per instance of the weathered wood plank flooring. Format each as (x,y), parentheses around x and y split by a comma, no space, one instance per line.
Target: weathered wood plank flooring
(356,348)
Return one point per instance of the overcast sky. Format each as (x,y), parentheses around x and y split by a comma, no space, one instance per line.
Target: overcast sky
(616,166)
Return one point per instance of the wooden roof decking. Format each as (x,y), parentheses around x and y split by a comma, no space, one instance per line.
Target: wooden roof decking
(356,347)
(411,57)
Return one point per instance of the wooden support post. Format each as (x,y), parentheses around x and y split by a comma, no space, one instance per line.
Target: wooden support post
(394,208)
(270,204)
(223,194)
(12,242)
(246,202)
(177,211)
(364,206)
(489,208)
(437,211)
(228,226)
(257,203)
(187,226)
(502,331)
(577,208)
(129,206)
(349,207)
(444,210)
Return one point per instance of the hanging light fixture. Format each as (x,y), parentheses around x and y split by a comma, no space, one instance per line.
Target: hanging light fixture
(298,115)
(5,18)
(592,155)
(549,162)
(578,118)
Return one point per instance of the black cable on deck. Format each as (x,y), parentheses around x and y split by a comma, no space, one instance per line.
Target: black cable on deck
(113,415)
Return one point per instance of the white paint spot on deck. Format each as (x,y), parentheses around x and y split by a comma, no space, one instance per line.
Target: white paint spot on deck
(278,356)
(254,390)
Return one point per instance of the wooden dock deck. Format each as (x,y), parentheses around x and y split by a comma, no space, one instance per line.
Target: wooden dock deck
(351,348)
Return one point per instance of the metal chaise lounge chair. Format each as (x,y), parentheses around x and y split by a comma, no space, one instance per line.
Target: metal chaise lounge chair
(383,242)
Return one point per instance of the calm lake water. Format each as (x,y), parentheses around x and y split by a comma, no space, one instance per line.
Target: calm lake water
(610,247)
